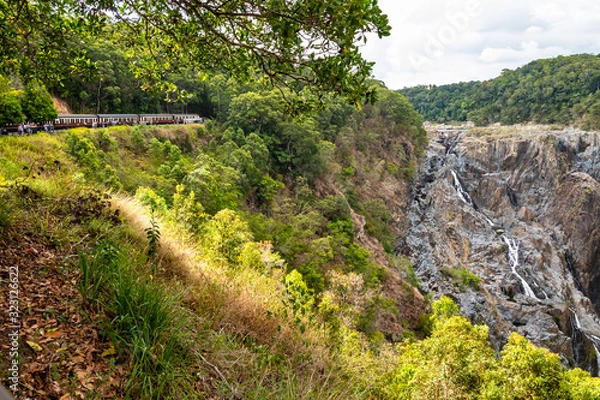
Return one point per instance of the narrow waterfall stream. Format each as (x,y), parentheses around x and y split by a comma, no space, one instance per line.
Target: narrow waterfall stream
(512,244)
(595,340)
(513,256)
(462,193)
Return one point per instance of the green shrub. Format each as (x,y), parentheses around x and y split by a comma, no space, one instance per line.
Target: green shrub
(378,220)
(138,140)
(313,278)
(150,198)
(84,151)
(268,188)
(358,260)
(334,208)
(104,141)
(462,277)
(405,266)
(225,236)
(87,155)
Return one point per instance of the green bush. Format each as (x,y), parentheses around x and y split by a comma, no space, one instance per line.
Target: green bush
(405,266)
(462,277)
(84,151)
(225,236)
(10,108)
(378,219)
(313,278)
(358,260)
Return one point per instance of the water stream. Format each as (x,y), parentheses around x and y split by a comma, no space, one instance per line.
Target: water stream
(513,256)
(591,337)
(462,193)
(513,245)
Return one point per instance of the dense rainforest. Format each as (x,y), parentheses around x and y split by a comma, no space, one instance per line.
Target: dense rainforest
(250,257)
(561,90)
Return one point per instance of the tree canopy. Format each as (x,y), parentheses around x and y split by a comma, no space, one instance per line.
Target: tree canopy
(558,90)
(306,45)
(37,104)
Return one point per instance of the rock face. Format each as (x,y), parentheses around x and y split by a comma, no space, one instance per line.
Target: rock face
(522,212)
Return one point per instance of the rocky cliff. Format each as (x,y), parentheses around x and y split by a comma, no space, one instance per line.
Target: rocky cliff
(508,224)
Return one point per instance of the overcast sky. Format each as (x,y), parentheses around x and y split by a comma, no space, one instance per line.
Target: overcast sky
(447,41)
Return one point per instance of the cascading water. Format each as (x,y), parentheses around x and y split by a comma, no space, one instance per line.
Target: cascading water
(512,244)
(595,340)
(462,193)
(466,198)
(513,256)
(515,229)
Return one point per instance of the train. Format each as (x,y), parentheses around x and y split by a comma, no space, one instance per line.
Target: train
(68,121)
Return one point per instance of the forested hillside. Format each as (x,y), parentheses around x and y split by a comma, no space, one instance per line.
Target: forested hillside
(561,90)
(246,259)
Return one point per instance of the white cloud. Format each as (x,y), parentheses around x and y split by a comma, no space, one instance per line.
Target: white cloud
(545,12)
(528,51)
(440,41)
(534,29)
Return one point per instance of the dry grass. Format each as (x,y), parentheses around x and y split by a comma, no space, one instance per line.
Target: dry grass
(246,306)
(243,303)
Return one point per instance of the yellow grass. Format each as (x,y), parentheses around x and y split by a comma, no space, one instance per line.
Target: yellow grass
(244,302)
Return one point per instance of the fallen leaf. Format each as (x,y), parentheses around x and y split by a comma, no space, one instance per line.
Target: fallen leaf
(86,380)
(77,359)
(54,334)
(31,250)
(34,345)
(109,352)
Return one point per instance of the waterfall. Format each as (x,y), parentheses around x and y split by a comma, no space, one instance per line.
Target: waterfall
(508,219)
(513,256)
(577,323)
(513,246)
(464,196)
(462,193)
(596,342)
(591,337)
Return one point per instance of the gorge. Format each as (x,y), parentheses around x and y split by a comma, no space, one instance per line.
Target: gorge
(520,209)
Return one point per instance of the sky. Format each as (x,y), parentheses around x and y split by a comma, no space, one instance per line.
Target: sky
(448,41)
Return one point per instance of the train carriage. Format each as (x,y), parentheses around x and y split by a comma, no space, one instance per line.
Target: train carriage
(75,120)
(186,118)
(118,119)
(156,119)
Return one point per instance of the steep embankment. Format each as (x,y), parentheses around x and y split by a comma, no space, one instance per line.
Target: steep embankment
(279,239)
(506,221)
